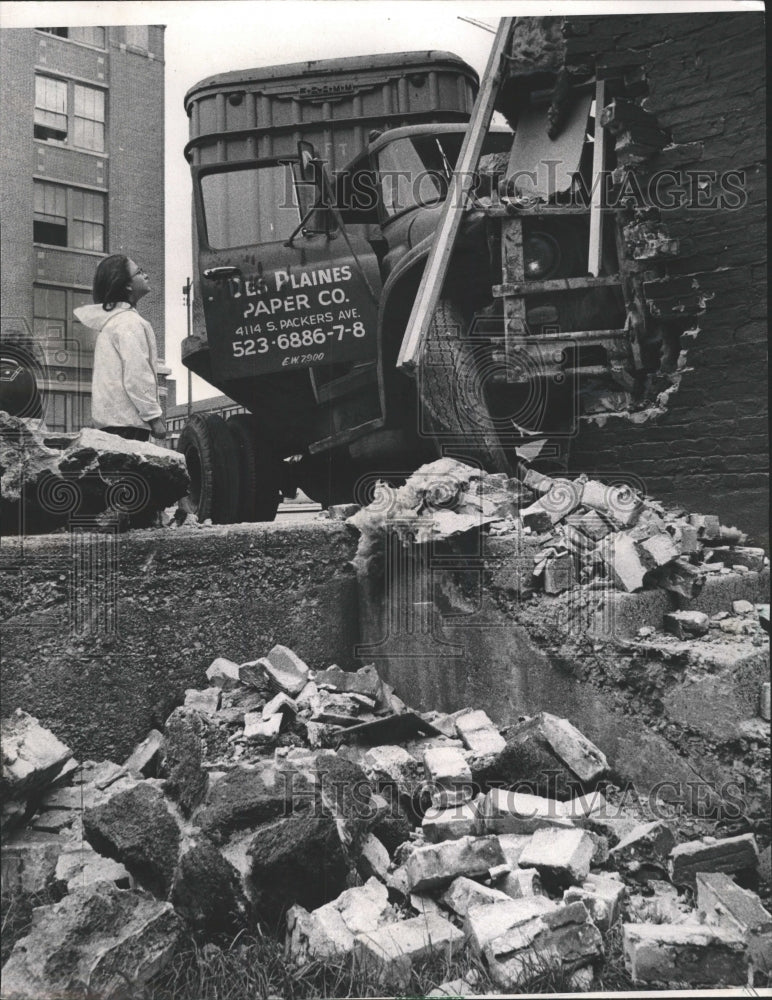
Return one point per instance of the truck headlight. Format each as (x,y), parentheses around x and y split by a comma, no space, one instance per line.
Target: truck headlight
(542,257)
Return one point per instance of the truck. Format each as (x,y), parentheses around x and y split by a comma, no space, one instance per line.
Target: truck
(317,191)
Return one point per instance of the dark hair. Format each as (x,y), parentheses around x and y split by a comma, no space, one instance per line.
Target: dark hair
(112,281)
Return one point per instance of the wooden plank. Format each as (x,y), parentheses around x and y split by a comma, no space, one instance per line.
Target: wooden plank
(577,335)
(430,289)
(554,285)
(595,260)
(513,270)
(507,210)
(346,437)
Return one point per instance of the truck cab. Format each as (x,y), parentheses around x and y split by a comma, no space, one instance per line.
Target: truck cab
(305,281)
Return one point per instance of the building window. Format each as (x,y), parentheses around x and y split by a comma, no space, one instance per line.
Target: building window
(89,36)
(50,218)
(83,126)
(66,411)
(88,121)
(88,220)
(68,217)
(50,108)
(49,313)
(53,318)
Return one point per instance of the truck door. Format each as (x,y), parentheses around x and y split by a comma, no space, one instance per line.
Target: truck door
(277,297)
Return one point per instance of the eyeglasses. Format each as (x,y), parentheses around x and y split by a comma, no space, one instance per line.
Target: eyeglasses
(140,270)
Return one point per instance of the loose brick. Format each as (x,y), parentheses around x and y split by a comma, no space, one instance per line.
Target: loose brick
(725,904)
(739,555)
(646,842)
(618,503)
(393,765)
(536,518)
(563,936)
(438,864)
(390,951)
(619,553)
(685,624)
(223,674)
(452,823)
(559,573)
(142,757)
(465,893)
(560,856)
(447,767)
(373,860)
(658,550)
(519,882)
(693,953)
(328,932)
(484,923)
(281,704)
(578,753)
(602,895)
(505,811)
(479,734)
(284,670)
(513,845)
(206,701)
(733,854)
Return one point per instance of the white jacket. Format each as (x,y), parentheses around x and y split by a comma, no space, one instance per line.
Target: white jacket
(124,390)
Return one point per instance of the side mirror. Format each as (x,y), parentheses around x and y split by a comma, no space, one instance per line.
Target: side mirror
(307,158)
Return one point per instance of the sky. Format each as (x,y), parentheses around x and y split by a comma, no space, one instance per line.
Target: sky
(204,37)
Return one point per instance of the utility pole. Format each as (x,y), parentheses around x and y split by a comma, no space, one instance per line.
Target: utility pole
(186,290)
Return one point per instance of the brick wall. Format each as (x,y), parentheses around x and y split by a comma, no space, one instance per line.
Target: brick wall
(136,201)
(17,56)
(704,75)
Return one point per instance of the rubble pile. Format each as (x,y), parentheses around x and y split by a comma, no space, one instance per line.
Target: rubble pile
(587,532)
(46,478)
(318,804)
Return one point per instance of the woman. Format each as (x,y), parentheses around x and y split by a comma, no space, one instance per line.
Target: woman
(124,390)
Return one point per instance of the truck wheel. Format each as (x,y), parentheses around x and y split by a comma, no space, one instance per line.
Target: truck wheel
(213,466)
(452,396)
(259,494)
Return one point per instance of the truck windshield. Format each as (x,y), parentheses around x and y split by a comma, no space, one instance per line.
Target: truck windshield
(416,170)
(412,173)
(249,206)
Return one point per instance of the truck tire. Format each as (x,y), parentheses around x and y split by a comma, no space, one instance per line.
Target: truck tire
(213,466)
(259,471)
(452,397)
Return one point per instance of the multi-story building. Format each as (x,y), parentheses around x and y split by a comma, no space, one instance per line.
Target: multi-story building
(82,176)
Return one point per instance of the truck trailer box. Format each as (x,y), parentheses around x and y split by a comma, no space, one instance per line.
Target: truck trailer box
(333,103)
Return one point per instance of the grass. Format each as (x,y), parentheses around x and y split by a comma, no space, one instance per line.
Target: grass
(16,912)
(256,967)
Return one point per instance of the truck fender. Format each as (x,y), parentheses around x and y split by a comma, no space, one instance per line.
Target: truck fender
(394,302)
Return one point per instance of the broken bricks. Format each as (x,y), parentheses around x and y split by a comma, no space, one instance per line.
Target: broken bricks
(723,903)
(563,935)
(438,864)
(693,953)
(562,857)
(732,854)
(551,755)
(269,842)
(389,951)
(330,931)
(685,624)
(97,935)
